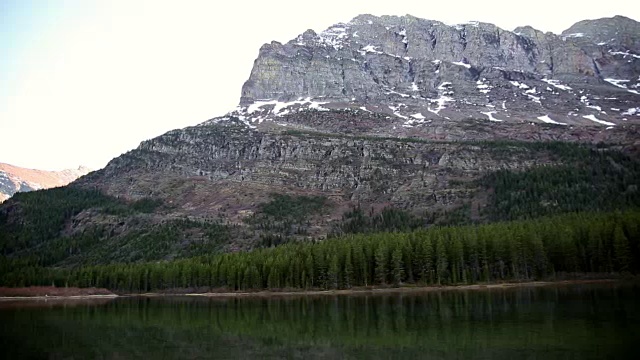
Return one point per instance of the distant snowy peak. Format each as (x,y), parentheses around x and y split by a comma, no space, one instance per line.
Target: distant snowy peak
(15,179)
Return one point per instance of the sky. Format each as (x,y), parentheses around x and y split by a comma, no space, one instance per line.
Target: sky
(84,81)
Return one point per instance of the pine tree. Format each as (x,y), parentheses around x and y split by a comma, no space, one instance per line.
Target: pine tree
(621,250)
(381,264)
(441,260)
(348,269)
(397,267)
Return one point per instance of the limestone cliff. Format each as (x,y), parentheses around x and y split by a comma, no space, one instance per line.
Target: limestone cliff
(419,71)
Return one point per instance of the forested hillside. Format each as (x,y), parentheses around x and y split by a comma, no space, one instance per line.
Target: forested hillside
(510,251)
(80,236)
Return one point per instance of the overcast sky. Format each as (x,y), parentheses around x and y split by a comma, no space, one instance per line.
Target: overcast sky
(83,81)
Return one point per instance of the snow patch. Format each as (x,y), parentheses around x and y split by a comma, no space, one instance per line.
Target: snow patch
(632,111)
(414,87)
(483,87)
(621,84)
(279,105)
(535,99)
(490,115)
(316,105)
(519,85)
(418,119)
(595,119)
(531,95)
(556,83)
(397,93)
(624,54)
(396,113)
(403,33)
(370,49)
(574,35)
(617,82)
(444,86)
(441,101)
(468,66)
(548,120)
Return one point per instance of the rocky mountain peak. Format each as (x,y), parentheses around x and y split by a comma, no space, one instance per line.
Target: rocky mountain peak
(614,31)
(417,72)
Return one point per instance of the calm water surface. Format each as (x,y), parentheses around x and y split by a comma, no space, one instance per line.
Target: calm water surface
(598,321)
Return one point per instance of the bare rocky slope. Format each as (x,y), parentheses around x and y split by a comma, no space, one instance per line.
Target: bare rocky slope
(16,179)
(392,112)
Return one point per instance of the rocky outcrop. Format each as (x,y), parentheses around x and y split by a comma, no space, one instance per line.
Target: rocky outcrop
(405,172)
(423,71)
(15,179)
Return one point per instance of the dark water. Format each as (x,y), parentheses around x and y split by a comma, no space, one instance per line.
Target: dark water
(569,322)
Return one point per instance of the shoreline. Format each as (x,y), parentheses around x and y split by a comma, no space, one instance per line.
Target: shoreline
(379,290)
(58,297)
(401,289)
(353,291)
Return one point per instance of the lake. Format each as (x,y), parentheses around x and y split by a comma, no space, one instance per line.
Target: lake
(586,321)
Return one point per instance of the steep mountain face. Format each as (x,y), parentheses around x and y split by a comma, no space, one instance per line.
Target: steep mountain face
(238,167)
(421,72)
(445,123)
(388,111)
(400,77)
(15,179)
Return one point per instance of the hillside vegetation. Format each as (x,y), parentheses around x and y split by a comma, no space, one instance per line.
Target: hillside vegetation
(53,233)
(518,250)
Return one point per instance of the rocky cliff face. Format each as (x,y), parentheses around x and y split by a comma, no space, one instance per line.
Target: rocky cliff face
(421,72)
(16,179)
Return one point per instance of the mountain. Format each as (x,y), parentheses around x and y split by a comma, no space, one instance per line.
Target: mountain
(379,124)
(15,179)
(422,74)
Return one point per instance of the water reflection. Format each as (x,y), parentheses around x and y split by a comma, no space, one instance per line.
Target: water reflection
(586,321)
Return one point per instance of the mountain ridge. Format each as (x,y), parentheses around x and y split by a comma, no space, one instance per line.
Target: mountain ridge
(425,71)
(16,179)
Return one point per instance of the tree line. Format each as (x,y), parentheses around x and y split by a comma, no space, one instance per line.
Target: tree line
(523,250)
